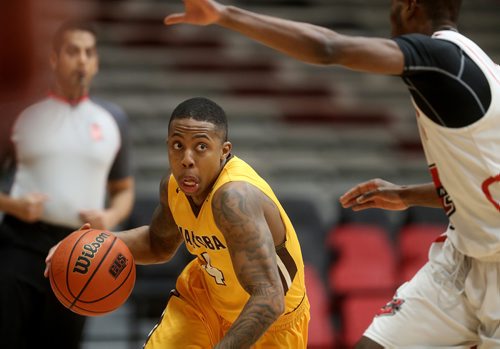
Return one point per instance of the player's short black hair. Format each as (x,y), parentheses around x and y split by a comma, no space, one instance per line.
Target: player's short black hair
(58,38)
(438,10)
(202,109)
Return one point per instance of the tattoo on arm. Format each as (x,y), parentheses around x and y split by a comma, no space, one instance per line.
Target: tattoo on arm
(238,212)
(165,239)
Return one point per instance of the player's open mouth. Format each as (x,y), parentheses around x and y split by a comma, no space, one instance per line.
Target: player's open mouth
(189,184)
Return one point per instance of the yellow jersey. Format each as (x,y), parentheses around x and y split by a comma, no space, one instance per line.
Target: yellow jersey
(204,240)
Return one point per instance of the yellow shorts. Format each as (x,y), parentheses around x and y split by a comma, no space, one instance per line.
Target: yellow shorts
(189,322)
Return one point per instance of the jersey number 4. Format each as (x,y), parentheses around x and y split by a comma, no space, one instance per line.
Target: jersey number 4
(212,271)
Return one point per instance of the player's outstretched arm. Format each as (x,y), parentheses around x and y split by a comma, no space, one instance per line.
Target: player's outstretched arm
(239,214)
(303,41)
(158,242)
(378,193)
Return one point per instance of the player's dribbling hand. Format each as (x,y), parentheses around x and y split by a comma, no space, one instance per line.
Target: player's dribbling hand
(198,12)
(98,219)
(375,193)
(53,249)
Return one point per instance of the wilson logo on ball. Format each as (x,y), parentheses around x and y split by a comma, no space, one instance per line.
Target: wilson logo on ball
(82,264)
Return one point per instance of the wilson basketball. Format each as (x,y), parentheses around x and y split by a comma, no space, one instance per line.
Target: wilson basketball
(92,272)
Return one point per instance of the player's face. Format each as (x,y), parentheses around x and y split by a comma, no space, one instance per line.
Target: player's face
(76,63)
(196,153)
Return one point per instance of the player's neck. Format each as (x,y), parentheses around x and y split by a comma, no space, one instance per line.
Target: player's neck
(195,207)
(446,26)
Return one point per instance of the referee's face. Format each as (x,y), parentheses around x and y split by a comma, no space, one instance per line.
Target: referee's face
(76,63)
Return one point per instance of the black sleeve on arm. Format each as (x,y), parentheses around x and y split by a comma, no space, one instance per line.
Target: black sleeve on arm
(122,167)
(444,82)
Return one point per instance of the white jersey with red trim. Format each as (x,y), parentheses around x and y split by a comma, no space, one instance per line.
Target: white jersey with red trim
(465,164)
(65,151)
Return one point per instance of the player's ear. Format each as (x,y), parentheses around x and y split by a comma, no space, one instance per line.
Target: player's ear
(412,6)
(226,150)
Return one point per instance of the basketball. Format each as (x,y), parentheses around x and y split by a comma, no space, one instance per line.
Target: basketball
(92,272)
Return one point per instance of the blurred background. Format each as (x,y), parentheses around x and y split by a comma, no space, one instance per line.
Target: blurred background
(312,132)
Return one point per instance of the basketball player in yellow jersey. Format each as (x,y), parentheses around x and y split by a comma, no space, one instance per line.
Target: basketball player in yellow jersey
(245,288)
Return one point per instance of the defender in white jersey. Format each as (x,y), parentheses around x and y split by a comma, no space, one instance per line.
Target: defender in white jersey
(454,301)
(71,153)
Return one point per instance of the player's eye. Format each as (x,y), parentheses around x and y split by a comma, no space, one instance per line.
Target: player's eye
(176,145)
(202,146)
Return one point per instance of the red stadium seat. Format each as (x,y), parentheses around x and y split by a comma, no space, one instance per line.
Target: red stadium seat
(414,242)
(366,259)
(357,313)
(321,333)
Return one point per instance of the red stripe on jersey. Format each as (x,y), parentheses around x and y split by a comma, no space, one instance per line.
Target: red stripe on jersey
(441,238)
(486,190)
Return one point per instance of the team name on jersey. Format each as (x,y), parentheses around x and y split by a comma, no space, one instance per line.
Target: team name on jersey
(210,242)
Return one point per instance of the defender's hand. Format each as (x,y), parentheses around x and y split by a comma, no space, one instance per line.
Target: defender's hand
(198,12)
(375,193)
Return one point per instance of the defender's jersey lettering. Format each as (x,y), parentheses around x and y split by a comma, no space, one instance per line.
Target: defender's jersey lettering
(212,271)
(446,201)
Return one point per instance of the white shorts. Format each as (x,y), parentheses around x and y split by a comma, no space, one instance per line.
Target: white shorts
(452,302)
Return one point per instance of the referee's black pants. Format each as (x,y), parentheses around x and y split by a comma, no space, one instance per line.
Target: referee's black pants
(30,314)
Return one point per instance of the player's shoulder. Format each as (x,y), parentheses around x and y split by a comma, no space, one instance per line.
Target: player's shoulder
(428,51)
(238,191)
(417,41)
